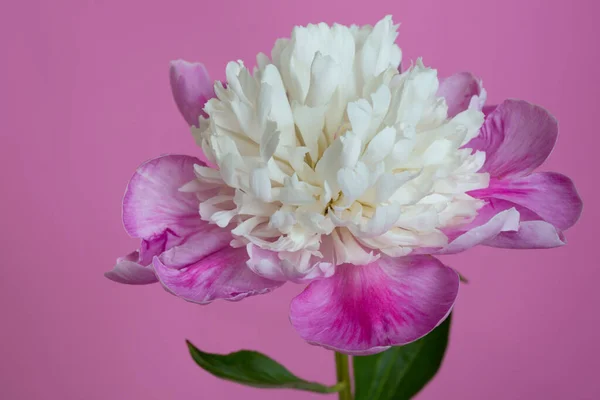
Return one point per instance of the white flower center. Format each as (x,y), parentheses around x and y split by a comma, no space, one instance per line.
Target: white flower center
(327,151)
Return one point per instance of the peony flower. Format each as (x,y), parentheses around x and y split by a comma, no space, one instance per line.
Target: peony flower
(329,166)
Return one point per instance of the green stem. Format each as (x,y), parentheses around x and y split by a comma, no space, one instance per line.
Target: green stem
(343,376)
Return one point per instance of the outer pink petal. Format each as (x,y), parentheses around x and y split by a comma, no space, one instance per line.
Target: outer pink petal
(192,88)
(531,235)
(174,251)
(459,90)
(153,202)
(517,137)
(550,195)
(220,275)
(129,271)
(366,309)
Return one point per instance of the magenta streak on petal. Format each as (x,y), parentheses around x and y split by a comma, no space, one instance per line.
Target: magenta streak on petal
(154,246)
(365,309)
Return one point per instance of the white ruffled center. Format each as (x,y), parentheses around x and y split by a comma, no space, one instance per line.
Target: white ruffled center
(326,152)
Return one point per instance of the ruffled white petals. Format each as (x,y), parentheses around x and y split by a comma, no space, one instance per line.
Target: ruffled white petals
(378,51)
(328,155)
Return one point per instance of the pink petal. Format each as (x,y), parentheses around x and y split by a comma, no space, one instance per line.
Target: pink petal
(192,88)
(490,222)
(173,250)
(206,240)
(268,264)
(366,309)
(220,275)
(153,202)
(458,90)
(531,235)
(128,271)
(156,245)
(550,195)
(517,137)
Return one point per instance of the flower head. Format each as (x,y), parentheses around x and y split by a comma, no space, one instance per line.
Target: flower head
(331,166)
(328,155)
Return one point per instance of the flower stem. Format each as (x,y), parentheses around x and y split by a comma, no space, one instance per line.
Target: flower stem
(343,376)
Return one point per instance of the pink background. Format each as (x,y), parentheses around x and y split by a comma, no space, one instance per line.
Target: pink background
(85,98)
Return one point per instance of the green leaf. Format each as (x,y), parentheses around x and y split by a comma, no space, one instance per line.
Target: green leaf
(252,368)
(401,372)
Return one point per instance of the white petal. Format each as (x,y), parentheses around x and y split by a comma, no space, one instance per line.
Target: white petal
(354,181)
(351,149)
(348,250)
(324,76)
(269,141)
(359,113)
(260,184)
(380,146)
(389,183)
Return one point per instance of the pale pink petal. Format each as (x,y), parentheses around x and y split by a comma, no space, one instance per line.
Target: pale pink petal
(532,232)
(459,90)
(366,309)
(489,223)
(268,264)
(127,270)
(220,275)
(192,88)
(265,263)
(531,235)
(550,195)
(517,137)
(153,202)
